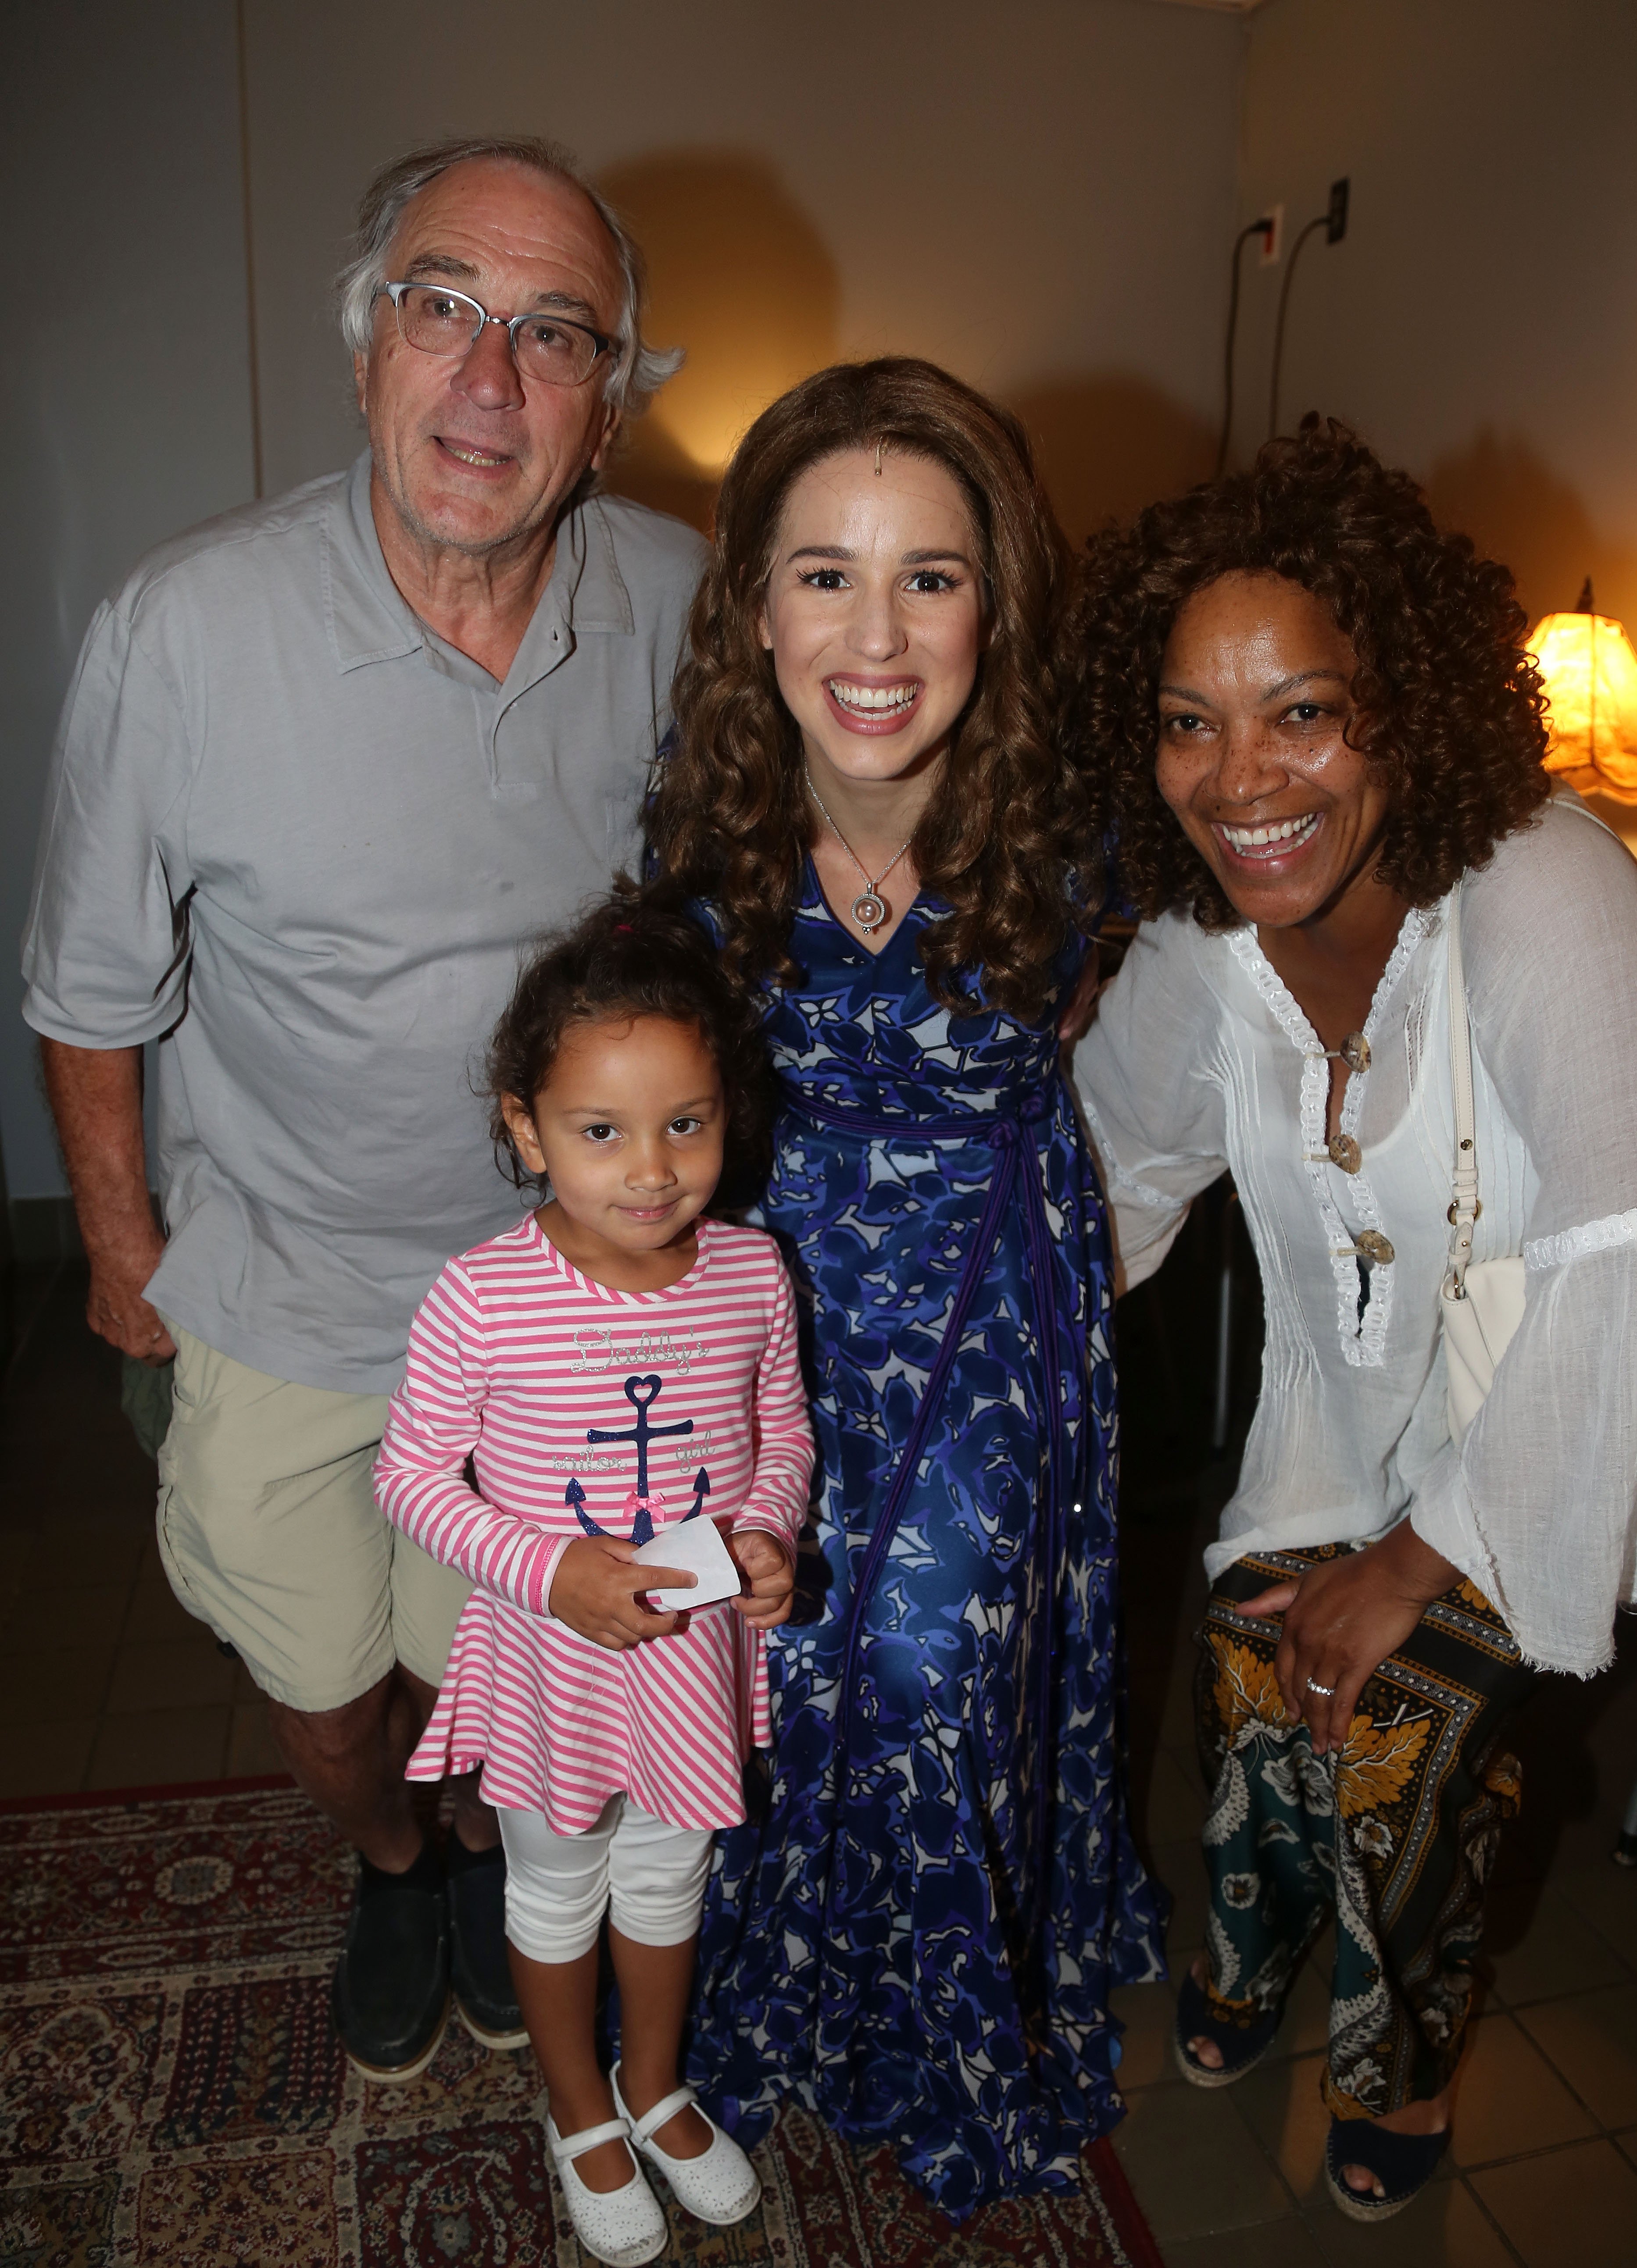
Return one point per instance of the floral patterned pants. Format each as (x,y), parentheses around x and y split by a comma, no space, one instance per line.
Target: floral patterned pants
(1396,1835)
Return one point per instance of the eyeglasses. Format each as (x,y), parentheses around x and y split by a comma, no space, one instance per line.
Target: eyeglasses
(544,345)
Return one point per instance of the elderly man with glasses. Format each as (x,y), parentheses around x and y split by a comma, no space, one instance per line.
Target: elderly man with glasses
(323,764)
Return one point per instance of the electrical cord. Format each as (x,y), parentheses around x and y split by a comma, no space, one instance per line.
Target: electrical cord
(1251,228)
(1323,221)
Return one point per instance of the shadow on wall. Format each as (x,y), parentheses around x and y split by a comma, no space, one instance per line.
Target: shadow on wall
(1108,446)
(1515,507)
(741,279)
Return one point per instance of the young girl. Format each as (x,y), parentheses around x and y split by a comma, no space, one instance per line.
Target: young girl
(615,1365)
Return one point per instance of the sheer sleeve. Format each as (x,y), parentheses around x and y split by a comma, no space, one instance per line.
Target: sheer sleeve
(1538,1505)
(1155,1114)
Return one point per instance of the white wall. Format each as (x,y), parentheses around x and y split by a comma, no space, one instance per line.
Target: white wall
(126,409)
(1035,195)
(1479,323)
(1041,195)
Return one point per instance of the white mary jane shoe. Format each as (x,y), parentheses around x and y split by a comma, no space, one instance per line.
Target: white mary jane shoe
(720,2186)
(621,2228)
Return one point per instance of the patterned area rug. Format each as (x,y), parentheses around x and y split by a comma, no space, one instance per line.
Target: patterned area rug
(171,2091)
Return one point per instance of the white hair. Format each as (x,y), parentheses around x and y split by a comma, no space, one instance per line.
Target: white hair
(636,371)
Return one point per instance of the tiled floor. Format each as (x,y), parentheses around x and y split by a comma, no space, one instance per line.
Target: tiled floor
(1543,2164)
(106,1683)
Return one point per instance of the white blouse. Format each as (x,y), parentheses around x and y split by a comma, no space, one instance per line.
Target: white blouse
(1200,1059)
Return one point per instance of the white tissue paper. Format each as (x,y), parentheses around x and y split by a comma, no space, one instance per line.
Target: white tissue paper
(693,1547)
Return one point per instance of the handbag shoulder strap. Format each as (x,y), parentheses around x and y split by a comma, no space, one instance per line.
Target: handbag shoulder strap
(1566,800)
(1464,1201)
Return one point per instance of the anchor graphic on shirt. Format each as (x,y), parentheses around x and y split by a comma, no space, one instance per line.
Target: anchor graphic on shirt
(640,1505)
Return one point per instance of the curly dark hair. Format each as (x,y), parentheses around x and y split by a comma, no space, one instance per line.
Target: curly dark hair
(1010,838)
(1446,697)
(636,952)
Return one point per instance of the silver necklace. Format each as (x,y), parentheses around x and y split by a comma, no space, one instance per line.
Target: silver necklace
(869,907)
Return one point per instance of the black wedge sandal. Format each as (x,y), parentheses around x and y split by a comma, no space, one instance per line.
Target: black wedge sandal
(1402,2163)
(1242,2046)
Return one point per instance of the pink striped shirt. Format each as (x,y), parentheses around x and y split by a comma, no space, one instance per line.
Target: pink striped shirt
(566,1392)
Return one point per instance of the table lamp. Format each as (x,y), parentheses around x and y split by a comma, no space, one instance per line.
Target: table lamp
(1590,674)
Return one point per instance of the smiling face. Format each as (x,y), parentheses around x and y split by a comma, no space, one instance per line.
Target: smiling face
(1255,700)
(628,1130)
(466,453)
(874,613)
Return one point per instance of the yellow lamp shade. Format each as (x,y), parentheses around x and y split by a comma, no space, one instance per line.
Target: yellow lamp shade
(1590,676)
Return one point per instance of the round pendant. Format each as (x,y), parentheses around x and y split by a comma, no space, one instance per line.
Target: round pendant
(1345,1152)
(1355,1051)
(1375,1245)
(869,911)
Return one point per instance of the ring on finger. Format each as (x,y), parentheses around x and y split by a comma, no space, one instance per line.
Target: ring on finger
(1324,1692)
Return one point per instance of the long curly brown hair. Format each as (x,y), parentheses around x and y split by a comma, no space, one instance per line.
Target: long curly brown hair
(1009,843)
(1446,697)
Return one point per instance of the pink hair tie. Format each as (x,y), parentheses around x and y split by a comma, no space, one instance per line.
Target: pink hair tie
(623,928)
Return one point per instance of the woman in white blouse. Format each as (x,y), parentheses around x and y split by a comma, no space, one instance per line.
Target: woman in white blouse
(1321,729)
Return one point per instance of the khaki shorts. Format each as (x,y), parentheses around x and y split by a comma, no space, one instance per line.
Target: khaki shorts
(269,1531)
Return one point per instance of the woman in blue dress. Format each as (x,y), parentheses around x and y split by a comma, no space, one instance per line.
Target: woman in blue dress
(917,1933)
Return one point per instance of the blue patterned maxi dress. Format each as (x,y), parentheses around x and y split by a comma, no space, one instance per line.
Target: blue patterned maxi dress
(919,1937)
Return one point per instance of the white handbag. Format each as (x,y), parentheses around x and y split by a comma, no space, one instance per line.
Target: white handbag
(1482,1300)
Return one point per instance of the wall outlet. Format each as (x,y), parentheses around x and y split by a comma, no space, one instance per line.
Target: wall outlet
(1273,236)
(1336,216)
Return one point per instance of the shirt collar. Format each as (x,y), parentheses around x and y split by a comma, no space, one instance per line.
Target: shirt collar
(364,609)
(369,620)
(597,595)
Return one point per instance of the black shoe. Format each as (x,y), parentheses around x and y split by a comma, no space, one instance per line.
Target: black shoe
(485,1996)
(390,1998)
(1241,2047)
(1402,2163)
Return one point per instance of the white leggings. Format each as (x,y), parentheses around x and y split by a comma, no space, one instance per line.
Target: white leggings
(647,1874)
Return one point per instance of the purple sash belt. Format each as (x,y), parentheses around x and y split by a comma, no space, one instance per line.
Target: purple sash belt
(1010,1133)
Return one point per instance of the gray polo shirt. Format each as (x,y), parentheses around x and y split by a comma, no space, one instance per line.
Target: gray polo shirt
(299,838)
